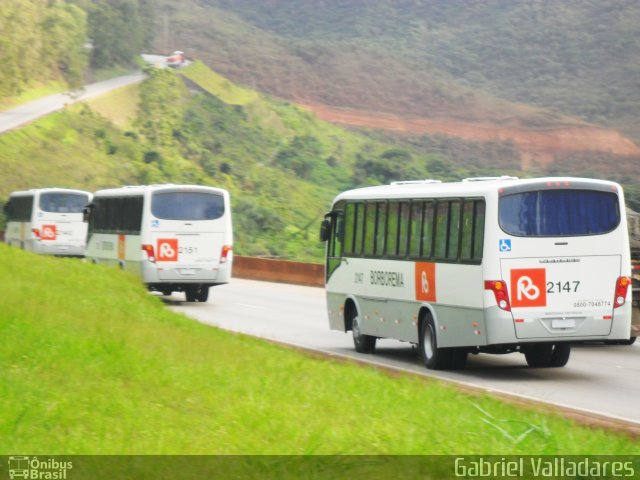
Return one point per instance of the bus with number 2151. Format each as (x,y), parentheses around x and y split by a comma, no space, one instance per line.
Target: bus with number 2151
(485,265)
(177,238)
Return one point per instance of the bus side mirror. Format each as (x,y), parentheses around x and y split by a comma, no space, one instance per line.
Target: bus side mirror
(5,208)
(325,230)
(86,212)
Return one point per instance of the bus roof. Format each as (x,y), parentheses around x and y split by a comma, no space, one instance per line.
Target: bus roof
(141,189)
(467,187)
(33,191)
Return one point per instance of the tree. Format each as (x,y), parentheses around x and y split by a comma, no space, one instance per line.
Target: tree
(119,29)
(160,111)
(64,29)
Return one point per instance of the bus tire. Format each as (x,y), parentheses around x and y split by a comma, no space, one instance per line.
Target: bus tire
(434,358)
(191,293)
(459,358)
(203,293)
(363,343)
(539,355)
(560,355)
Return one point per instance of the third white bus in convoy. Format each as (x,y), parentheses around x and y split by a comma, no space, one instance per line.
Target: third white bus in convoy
(484,265)
(47,220)
(175,237)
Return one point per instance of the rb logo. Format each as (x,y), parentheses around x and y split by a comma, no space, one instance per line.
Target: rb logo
(529,287)
(167,249)
(425,281)
(49,232)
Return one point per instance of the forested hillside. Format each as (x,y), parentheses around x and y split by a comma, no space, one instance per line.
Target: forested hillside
(44,41)
(430,58)
(442,89)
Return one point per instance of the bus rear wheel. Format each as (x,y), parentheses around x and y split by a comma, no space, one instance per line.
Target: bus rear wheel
(548,355)
(196,293)
(363,343)
(433,357)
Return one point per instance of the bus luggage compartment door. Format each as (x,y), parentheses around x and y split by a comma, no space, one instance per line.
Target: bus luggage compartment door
(562,296)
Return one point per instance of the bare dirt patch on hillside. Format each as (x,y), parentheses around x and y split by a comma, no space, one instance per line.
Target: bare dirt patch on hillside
(538,147)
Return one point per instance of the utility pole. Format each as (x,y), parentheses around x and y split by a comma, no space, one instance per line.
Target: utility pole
(165,32)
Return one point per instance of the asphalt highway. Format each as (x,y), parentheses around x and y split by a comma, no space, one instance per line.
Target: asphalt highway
(28,112)
(598,379)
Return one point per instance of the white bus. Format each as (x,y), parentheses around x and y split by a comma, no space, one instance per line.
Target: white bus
(47,220)
(483,265)
(177,238)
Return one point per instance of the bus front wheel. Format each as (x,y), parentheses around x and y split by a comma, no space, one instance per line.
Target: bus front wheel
(363,343)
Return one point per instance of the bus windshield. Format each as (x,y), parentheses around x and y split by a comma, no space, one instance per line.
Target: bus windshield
(63,202)
(559,213)
(187,205)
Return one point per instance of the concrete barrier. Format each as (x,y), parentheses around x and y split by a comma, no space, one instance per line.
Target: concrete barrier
(283,271)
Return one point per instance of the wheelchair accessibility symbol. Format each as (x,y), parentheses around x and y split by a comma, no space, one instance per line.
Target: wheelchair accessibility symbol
(505,245)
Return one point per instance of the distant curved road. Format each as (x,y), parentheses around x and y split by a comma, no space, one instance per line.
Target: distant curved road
(28,112)
(599,379)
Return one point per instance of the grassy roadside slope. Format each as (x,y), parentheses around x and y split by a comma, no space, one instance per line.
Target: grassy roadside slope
(92,364)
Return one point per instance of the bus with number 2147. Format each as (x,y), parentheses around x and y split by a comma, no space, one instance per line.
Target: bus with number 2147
(485,265)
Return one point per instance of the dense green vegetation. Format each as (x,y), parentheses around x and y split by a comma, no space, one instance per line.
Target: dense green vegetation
(44,41)
(40,41)
(576,57)
(92,364)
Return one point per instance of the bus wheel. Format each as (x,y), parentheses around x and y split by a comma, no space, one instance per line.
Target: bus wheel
(539,356)
(191,293)
(362,343)
(459,359)
(433,357)
(560,355)
(203,293)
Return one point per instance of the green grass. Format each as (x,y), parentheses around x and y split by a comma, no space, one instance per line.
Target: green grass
(92,364)
(218,85)
(119,106)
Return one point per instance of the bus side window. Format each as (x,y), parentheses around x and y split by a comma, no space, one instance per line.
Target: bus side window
(441,222)
(369,228)
(466,240)
(359,227)
(337,238)
(453,235)
(428,229)
(349,228)
(415,228)
(478,229)
(393,222)
(381,229)
(20,209)
(403,235)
